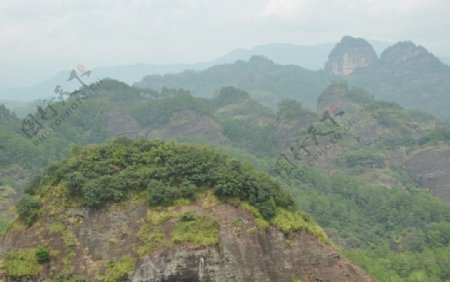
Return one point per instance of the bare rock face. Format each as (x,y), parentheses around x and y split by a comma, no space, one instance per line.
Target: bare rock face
(431,168)
(349,54)
(264,257)
(189,124)
(120,124)
(244,252)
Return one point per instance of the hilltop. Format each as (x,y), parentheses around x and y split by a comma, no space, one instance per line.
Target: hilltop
(268,82)
(150,210)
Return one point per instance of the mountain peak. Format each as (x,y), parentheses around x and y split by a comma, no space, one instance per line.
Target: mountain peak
(260,61)
(406,51)
(151,216)
(350,53)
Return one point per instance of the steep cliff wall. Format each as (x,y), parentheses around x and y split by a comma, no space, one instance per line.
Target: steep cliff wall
(349,54)
(87,242)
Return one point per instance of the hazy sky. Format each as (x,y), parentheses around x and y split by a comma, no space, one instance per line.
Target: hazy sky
(41,37)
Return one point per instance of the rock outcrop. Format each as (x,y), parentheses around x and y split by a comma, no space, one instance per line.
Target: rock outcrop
(187,124)
(119,123)
(431,168)
(245,252)
(409,75)
(349,54)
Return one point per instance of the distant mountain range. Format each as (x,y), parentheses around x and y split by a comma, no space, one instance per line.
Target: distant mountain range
(403,73)
(311,57)
(266,81)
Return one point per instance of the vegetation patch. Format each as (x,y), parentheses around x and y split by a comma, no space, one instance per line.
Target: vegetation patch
(120,270)
(42,255)
(56,227)
(292,221)
(66,277)
(184,227)
(101,174)
(383,226)
(70,241)
(364,157)
(28,209)
(260,222)
(196,230)
(150,232)
(4,223)
(21,263)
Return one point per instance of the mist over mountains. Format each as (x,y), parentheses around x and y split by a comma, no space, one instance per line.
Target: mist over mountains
(403,73)
(247,168)
(307,56)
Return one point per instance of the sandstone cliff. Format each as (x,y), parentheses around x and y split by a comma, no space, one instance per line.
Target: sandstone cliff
(430,168)
(86,242)
(349,54)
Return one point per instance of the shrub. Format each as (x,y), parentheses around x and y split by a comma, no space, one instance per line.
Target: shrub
(230,95)
(42,254)
(101,174)
(161,195)
(28,209)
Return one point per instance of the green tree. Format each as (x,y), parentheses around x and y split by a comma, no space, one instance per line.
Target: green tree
(28,209)
(42,255)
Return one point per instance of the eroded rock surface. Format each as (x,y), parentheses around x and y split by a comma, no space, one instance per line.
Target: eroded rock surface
(244,252)
(349,54)
(431,168)
(121,124)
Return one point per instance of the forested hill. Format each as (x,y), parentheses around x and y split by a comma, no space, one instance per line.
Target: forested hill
(404,73)
(101,213)
(267,82)
(360,183)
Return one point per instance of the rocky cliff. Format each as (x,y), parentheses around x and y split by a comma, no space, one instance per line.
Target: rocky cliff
(430,168)
(350,53)
(88,243)
(160,211)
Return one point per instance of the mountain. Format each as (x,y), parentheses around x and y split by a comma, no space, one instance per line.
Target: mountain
(349,54)
(360,182)
(164,212)
(266,81)
(311,57)
(405,73)
(307,56)
(128,74)
(393,139)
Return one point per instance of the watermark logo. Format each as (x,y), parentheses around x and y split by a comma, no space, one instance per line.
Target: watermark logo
(321,137)
(82,70)
(48,118)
